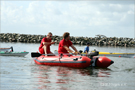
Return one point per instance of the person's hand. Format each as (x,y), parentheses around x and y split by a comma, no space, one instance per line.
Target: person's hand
(52,42)
(74,53)
(79,53)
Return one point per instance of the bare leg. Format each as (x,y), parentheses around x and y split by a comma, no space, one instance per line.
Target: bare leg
(45,49)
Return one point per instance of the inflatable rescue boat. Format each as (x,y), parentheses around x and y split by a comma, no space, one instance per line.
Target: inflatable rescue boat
(72,61)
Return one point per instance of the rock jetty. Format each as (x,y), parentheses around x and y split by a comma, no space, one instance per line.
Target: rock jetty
(99,40)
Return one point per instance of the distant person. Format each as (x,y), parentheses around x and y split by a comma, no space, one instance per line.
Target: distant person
(65,43)
(86,50)
(44,47)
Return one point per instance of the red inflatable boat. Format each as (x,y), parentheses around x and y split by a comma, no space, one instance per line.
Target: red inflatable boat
(72,61)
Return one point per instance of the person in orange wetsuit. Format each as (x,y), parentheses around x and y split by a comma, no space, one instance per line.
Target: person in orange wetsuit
(44,47)
(64,45)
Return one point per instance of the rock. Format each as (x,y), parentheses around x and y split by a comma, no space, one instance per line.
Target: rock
(99,40)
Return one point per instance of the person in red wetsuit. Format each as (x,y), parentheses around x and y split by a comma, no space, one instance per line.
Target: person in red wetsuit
(44,47)
(65,43)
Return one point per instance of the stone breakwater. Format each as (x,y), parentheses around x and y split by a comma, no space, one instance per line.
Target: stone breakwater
(99,40)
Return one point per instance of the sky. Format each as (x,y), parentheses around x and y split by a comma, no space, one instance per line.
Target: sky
(112,18)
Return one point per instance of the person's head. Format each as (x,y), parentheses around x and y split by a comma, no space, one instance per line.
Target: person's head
(66,35)
(49,35)
(88,44)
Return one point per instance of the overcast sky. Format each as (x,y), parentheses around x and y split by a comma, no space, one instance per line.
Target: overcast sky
(81,18)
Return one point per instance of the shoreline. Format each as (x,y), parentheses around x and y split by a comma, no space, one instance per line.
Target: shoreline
(99,40)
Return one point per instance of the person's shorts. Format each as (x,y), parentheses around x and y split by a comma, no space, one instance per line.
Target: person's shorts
(41,50)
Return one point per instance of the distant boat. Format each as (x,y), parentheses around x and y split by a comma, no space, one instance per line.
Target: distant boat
(10,52)
(69,60)
(5,49)
(2,53)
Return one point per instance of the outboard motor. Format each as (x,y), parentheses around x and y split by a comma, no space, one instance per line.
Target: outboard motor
(102,62)
(91,54)
(11,49)
(80,51)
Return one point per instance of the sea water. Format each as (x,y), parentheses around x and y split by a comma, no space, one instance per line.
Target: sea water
(21,73)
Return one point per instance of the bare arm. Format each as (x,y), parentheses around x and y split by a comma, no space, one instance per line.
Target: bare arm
(47,43)
(69,50)
(74,48)
(86,52)
(76,51)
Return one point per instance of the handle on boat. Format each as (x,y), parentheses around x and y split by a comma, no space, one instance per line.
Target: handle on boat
(36,54)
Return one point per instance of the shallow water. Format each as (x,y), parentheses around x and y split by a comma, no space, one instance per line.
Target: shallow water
(21,73)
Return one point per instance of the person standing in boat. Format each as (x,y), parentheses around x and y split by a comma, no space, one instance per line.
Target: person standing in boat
(44,47)
(65,43)
(86,49)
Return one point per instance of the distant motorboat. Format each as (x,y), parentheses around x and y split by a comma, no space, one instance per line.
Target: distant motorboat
(2,53)
(5,49)
(10,52)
